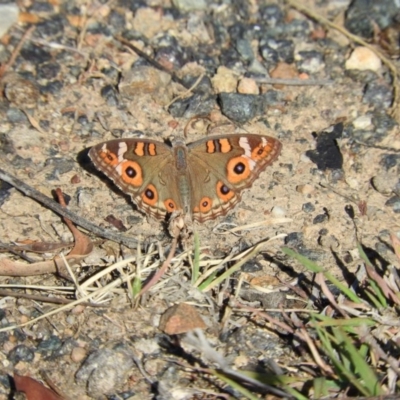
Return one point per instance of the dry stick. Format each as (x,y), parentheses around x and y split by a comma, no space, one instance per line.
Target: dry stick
(16,51)
(52,205)
(294,82)
(358,40)
(162,270)
(43,299)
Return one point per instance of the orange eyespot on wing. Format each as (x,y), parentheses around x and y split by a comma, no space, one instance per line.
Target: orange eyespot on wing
(223,192)
(170,205)
(260,152)
(150,195)
(131,173)
(237,169)
(109,158)
(205,204)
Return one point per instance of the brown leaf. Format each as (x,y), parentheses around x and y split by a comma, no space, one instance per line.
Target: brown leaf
(33,389)
(181,318)
(83,245)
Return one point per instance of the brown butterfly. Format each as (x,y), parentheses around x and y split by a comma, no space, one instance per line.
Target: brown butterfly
(203,179)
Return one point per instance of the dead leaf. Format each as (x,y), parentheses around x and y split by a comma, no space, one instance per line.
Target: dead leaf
(33,389)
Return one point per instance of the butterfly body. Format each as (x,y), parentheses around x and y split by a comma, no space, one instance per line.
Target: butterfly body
(203,179)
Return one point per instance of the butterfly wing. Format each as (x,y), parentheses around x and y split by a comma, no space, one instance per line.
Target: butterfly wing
(220,167)
(142,168)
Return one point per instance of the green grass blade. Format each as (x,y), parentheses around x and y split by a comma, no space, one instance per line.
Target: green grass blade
(367,375)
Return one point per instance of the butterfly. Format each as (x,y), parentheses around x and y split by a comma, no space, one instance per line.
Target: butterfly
(203,180)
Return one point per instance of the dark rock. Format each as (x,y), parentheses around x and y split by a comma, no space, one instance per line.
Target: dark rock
(308,207)
(16,116)
(51,27)
(195,105)
(320,218)
(53,87)
(364,16)
(389,161)
(294,239)
(394,203)
(20,353)
(310,62)
(271,15)
(378,95)
(240,107)
(284,49)
(35,54)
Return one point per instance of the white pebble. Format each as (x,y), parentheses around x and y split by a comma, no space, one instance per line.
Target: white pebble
(278,212)
(363,58)
(362,122)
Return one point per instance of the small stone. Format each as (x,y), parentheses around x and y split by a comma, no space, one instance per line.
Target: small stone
(190,5)
(284,71)
(8,16)
(362,122)
(310,61)
(196,105)
(78,354)
(20,353)
(241,107)
(181,318)
(308,207)
(248,86)
(394,203)
(147,21)
(378,95)
(294,239)
(106,370)
(385,183)
(224,81)
(278,212)
(305,189)
(20,92)
(363,58)
(143,80)
(320,218)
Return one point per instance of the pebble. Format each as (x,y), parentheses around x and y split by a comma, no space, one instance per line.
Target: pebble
(394,203)
(305,189)
(362,122)
(320,218)
(310,62)
(21,353)
(273,50)
(190,5)
(240,108)
(248,86)
(378,95)
(385,183)
(106,369)
(224,81)
(78,354)
(194,106)
(20,92)
(278,212)
(308,207)
(147,21)
(363,58)
(8,17)
(142,80)
(284,71)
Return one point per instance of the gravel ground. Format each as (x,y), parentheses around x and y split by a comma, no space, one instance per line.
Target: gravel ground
(75,83)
